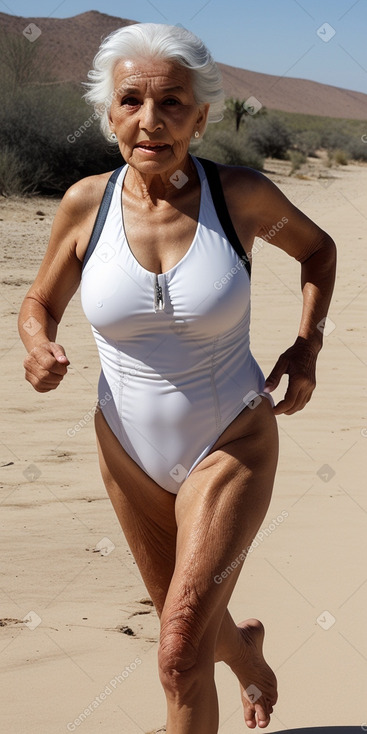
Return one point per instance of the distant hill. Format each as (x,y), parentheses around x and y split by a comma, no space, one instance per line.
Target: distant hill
(71,43)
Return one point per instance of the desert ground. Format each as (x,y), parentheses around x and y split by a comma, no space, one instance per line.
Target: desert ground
(77,630)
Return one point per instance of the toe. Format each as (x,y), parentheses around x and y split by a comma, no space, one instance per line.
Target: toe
(249,712)
(251,723)
(263,718)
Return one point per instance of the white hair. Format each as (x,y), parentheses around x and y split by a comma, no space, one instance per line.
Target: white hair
(148,40)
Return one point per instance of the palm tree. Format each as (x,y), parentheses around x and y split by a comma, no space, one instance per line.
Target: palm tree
(237,107)
(241,107)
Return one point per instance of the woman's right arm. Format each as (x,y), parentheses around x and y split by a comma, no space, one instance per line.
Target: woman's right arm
(57,281)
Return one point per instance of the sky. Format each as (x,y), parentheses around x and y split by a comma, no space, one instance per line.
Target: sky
(321,40)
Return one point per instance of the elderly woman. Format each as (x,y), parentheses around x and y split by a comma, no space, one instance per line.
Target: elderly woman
(186,425)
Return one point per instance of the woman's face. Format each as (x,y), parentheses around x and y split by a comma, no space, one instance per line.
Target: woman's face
(154,114)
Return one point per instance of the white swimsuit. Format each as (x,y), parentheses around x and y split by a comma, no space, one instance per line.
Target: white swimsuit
(174,347)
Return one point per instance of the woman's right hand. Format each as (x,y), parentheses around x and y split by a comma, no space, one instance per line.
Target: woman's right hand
(45,366)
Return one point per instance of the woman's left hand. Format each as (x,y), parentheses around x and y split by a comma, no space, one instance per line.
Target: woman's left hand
(299,362)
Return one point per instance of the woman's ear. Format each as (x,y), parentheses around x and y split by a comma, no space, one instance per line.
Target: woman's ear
(202,118)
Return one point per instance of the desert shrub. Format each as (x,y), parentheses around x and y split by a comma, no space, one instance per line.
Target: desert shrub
(334,138)
(330,159)
(229,149)
(307,142)
(269,136)
(336,157)
(297,159)
(22,62)
(10,173)
(45,128)
(357,148)
(340,157)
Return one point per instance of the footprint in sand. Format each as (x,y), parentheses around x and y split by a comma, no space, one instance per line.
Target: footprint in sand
(147,630)
(56,455)
(8,622)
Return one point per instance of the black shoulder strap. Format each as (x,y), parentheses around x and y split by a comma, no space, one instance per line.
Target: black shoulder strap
(101,215)
(220,205)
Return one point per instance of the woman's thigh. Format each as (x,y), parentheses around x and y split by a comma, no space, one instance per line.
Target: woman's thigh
(146,512)
(219,510)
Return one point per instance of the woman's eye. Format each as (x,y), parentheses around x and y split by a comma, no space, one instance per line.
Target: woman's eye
(131,101)
(171,101)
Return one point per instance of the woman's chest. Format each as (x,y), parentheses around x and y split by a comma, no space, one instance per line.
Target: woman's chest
(158,240)
(207,292)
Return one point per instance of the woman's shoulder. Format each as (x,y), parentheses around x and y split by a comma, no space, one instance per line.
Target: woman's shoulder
(241,181)
(234,176)
(86,194)
(76,213)
(249,195)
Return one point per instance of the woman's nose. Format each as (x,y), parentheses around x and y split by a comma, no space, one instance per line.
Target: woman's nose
(149,116)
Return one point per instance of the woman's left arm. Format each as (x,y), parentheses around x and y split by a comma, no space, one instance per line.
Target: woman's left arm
(299,361)
(302,239)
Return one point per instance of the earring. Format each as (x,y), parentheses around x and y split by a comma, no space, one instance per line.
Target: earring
(113,137)
(197,134)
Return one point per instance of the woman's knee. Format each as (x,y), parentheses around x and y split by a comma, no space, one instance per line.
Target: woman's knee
(184,652)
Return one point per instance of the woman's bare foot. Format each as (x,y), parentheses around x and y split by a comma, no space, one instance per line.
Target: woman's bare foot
(257,680)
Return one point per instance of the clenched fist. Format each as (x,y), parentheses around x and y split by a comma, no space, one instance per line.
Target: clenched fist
(45,366)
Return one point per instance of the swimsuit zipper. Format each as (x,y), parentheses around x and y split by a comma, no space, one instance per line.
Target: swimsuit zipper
(158,295)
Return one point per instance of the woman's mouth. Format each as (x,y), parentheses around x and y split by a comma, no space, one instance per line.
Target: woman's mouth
(152,148)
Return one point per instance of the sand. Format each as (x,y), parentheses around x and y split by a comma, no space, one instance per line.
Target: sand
(78,633)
